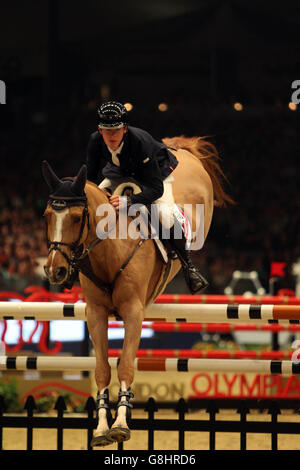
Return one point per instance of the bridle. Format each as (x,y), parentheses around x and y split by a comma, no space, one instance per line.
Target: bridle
(76,248)
(59,204)
(78,260)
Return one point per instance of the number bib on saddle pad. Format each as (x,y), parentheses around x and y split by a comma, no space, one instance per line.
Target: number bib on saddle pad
(183,219)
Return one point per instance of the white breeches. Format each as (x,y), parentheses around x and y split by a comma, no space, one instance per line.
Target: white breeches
(105,184)
(165,203)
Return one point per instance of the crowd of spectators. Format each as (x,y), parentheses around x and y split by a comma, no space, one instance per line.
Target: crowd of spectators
(22,244)
(258,154)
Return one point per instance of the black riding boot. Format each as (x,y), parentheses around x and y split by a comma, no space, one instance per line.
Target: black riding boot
(193,277)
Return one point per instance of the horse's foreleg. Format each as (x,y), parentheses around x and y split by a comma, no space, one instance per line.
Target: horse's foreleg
(133,315)
(97,322)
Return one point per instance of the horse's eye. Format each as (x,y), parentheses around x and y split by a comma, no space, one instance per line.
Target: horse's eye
(76,220)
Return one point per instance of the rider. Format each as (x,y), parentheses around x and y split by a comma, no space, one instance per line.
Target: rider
(117,150)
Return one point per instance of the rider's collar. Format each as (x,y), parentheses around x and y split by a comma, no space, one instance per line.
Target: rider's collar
(119,149)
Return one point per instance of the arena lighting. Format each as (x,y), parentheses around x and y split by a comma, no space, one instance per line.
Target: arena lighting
(128,106)
(238,106)
(292,106)
(162,107)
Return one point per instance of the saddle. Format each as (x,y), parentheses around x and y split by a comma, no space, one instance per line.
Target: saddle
(129,186)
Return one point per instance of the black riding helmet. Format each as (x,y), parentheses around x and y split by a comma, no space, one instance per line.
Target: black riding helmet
(113,115)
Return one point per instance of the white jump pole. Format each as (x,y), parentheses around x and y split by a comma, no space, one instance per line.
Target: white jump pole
(149,364)
(42,311)
(202,313)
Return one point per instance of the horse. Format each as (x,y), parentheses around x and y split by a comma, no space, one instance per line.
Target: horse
(112,270)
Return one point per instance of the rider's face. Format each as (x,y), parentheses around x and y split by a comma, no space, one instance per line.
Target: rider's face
(113,137)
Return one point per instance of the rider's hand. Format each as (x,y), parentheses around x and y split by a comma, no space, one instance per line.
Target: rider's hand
(117,202)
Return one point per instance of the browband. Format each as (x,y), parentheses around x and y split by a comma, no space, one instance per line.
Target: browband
(59,202)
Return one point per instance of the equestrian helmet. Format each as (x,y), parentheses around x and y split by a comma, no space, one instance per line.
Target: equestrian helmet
(113,115)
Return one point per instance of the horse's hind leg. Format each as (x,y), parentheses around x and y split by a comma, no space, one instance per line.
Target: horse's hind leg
(97,321)
(133,315)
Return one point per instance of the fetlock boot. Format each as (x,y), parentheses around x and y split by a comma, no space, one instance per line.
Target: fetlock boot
(102,402)
(120,429)
(193,277)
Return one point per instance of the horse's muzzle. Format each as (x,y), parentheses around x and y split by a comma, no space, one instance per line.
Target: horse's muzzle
(58,276)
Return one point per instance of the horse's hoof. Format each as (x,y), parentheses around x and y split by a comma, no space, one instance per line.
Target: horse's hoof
(101,441)
(118,434)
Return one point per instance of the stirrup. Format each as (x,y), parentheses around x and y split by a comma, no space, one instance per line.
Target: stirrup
(198,282)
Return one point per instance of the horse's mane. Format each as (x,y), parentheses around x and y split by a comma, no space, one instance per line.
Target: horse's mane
(95,186)
(208,154)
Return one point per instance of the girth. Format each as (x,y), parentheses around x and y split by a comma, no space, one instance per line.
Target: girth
(84,266)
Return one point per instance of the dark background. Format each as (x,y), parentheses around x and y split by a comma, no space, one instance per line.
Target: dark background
(60,59)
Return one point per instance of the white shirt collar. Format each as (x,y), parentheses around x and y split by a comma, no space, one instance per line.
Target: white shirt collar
(114,154)
(119,149)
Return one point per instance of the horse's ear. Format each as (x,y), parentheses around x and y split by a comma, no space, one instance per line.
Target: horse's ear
(50,177)
(79,183)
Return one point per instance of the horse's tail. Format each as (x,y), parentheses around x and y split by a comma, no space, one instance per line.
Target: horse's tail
(207,153)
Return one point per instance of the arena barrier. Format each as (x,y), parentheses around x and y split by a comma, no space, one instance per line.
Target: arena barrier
(152,364)
(208,428)
(47,311)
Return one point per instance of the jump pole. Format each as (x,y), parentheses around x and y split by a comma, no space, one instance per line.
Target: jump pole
(225,313)
(206,354)
(226,299)
(153,364)
(223,328)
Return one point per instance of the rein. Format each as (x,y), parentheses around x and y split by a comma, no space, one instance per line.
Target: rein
(79,260)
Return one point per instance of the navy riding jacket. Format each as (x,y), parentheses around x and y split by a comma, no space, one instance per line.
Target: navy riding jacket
(142,158)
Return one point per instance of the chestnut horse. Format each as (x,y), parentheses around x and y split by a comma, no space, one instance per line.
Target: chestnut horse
(115,278)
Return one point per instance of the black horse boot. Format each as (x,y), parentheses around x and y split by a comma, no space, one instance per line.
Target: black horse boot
(103,402)
(193,277)
(119,432)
